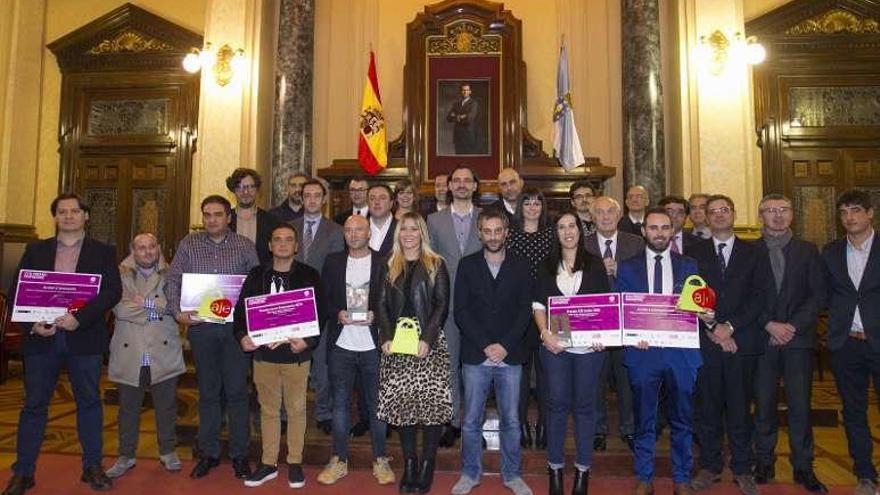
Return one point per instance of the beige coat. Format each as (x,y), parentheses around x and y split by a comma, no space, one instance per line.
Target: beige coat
(133,334)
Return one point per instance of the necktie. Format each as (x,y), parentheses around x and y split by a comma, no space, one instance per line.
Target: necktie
(675,244)
(608,253)
(308,238)
(698,233)
(658,274)
(721,261)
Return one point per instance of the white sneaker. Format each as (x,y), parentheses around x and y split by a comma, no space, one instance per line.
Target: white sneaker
(464,485)
(123,465)
(518,486)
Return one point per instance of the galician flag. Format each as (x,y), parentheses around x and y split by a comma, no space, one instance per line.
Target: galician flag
(372,145)
(565,137)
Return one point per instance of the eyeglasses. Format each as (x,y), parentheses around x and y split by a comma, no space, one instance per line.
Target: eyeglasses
(777,211)
(357,189)
(675,213)
(581,197)
(246,187)
(724,210)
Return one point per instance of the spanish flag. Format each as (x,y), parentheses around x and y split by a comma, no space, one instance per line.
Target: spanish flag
(372,145)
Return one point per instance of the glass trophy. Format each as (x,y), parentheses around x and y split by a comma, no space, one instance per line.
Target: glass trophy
(358,298)
(561,326)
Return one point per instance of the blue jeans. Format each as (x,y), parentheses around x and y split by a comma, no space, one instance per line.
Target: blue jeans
(477,380)
(343,367)
(40,378)
(572,380)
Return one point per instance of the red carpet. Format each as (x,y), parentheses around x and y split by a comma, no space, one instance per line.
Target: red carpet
(59,474)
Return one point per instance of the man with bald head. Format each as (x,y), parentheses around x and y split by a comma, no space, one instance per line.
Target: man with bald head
(637,201)
(145,354)
(510,186)
(612,246)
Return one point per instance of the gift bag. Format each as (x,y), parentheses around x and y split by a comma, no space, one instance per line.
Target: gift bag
(406,336)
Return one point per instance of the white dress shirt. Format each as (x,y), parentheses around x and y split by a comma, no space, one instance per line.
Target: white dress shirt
(727,250)
(568,284)
(666,263)
(603,240)
(856,260)
(377,233)
(363,211)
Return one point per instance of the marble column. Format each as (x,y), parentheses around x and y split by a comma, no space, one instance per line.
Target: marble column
(643,159)
(292,129)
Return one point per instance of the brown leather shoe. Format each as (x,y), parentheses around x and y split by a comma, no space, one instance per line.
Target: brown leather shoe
(682,489)
(18,485)
(643,488)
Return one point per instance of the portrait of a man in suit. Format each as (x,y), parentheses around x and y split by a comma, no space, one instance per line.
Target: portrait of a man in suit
(463,128)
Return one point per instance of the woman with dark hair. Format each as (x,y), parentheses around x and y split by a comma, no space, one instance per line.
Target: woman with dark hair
(568,270)
(406,198)
(531,237)
(414,390)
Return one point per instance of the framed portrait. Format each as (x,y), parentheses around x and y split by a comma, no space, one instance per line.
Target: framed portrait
(463,110)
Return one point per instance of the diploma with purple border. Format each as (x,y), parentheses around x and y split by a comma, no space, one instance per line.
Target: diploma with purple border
(654,318)
(583,320)
(277,317)
(44,295)
(213,296)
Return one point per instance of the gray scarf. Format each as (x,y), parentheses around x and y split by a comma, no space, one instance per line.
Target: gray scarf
(775,245)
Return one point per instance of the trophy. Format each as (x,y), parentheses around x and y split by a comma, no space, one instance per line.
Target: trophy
(696,296)
(560,325)
(358,302)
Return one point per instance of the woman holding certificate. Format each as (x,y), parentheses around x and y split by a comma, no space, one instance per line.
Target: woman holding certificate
(414,371)
(572,371)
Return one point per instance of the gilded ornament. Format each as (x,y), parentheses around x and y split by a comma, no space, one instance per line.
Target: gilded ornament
(836,21)
(463,37)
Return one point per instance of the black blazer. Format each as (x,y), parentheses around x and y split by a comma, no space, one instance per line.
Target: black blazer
(343,216)
(430,301)
(333,276)
(627,225)
(842,295)
(593,281)
(492,310)
(92,335)
(499,205)
(802,293)
(741,294)
(388,242)
(628,245)
(688,241)
(265,223)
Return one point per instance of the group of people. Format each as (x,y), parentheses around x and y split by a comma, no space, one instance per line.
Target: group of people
(473,284)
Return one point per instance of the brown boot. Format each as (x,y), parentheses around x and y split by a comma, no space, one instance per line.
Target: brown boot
(643,488)
(682,489)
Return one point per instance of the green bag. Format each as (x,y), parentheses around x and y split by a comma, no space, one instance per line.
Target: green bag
(406,336)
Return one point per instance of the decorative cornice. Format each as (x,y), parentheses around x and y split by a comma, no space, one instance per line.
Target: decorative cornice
(836,21)
(130,41)
(15,232)
(464,37)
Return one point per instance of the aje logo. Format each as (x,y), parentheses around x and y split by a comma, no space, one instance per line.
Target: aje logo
(221,307)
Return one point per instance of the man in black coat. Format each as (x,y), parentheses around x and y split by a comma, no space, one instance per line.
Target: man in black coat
(248,219)
(76,341)
(852,265)
(637,201)
(678,209)
(463,115)
(729,343)
(789,320)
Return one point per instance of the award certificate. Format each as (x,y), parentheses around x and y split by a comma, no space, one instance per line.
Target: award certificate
(654,318)
(211,296)
(583,320)
(45,295)
(278,317)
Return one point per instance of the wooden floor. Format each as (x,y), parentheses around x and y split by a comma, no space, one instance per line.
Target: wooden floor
(833,465)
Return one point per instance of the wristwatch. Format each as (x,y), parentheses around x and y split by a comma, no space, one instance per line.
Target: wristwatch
(732,329)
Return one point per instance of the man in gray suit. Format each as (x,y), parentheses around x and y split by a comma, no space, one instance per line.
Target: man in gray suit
(454,235)
(612,246)
(318,236)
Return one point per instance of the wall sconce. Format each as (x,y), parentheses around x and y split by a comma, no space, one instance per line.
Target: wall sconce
(225,62)
(717,52)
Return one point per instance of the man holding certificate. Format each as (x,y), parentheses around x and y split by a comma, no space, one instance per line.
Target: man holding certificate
(221,365)
(282,354)
(660,271)
(75,340)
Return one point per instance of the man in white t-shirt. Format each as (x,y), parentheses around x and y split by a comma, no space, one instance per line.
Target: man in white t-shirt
(351,280)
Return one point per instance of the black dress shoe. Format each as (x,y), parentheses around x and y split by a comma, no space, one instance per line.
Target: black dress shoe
(600,444)
(426,476)
(807,479)
(242,467)
(19,484)
(581,482)
(540,436)
(555,480)
(326,426)
(630,442)
(410,473)
(450,435)
(96,478)
(203,467)
(359,429)
(764,473)
(525,435)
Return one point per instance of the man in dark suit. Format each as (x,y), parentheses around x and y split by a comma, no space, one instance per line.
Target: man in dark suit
(678,210)
(510,186)
(317,237)
(789,320)
(612,246)
(382,221)
(852,265)
(581,196)
(463,115)
(492,309)
(637,201)
(697,216)
(357,193)
(248,219)
(292,206)
(730,342)
(76,340)
(658,270)
(440,201)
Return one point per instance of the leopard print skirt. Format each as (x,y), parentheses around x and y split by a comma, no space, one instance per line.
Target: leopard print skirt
(415,391)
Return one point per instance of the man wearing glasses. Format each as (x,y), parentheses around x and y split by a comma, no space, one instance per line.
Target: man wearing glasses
(357,192)
(581,195)
(248,219)
(678,209)
(789,321)
(697,216)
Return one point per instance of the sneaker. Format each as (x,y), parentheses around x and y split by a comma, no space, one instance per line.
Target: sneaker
(518,486)
(333,472)
(746,484)
(382,471)
(123,465)
(171,462)
(262,474)
(464,485)
(704,479)
(295,476)
(866,486)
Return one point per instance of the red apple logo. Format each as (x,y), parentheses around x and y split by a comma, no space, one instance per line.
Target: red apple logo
(704,298)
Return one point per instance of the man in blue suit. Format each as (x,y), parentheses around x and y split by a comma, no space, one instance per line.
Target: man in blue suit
(660,271)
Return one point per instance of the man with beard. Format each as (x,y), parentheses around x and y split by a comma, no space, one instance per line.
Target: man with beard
(510,186)
(581,196)
(439,202)
(660,271)
(248,219)
(292,207)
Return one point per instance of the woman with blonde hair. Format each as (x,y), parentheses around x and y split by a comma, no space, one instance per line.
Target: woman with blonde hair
(414,390)
(406,198)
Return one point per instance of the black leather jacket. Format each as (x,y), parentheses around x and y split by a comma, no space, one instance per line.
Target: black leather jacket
(430,300)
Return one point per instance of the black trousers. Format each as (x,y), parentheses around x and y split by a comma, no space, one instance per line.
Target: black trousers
(854,366)
(795,366)
(614,371)
(526,385)
(164,395)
